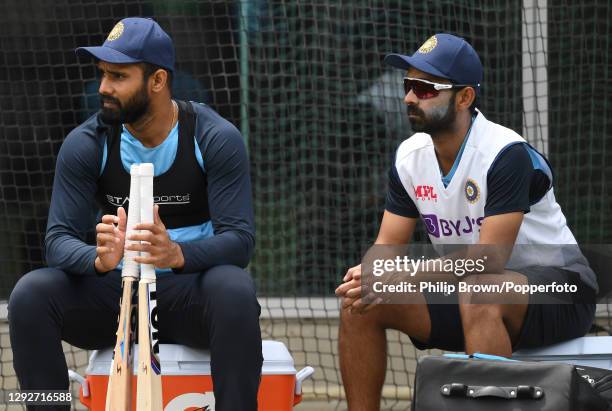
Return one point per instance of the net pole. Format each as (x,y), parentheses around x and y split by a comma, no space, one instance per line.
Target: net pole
(244,6)
(535,73)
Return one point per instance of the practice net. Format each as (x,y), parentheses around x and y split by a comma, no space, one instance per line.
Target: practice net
(322,117)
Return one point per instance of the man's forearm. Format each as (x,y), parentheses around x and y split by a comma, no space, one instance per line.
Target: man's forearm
(70,254)
(231,247)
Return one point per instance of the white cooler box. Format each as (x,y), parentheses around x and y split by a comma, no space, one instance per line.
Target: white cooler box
(186,380)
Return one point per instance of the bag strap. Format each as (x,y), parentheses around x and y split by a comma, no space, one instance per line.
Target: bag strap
(526,392)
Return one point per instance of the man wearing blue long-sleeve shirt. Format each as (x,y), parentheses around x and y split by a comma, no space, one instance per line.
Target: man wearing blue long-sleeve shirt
(202,237)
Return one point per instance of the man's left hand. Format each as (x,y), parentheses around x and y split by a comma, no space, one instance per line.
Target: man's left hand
(163,252)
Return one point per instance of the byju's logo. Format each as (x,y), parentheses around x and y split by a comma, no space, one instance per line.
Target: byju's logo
(431,224)
(425,193)
(438,227)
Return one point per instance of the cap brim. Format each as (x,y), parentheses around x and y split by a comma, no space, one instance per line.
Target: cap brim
(106,54)
(405,62)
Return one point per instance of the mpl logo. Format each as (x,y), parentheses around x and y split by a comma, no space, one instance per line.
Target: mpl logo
(423,192)
(438,227)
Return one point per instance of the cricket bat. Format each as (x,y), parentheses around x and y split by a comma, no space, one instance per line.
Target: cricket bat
(149,386)
(119,391)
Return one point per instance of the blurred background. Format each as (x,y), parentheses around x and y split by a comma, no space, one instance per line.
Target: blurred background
(321,116)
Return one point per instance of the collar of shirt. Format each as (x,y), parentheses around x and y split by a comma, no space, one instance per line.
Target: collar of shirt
(446,179)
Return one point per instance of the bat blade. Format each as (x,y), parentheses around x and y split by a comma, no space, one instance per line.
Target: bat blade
(119,390)
(149,386)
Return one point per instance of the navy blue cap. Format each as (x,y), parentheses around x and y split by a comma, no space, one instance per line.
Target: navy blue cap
(135,40)
(443,55)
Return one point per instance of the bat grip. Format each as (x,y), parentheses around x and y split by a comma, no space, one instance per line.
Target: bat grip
(146,211)
(130,267)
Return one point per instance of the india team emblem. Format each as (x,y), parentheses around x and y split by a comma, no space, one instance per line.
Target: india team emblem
(472,191)
(429,45)
(116,32)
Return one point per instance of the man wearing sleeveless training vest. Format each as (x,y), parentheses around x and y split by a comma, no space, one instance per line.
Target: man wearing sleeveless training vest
(470,181)
(200,242)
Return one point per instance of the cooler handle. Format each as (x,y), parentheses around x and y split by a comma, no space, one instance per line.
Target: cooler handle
(74,376)
(300,377)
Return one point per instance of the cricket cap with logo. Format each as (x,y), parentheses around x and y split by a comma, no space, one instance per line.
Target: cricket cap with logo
(446,56)
(135,40)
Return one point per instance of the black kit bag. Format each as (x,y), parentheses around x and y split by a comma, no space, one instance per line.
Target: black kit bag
(481,383)
(600,379)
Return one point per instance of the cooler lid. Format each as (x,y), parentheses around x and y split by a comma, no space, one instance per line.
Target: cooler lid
(585,346)
(180,360)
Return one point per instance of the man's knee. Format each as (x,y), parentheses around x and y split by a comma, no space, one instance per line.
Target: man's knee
(377,316)
(230,291)
(472,314)
(32,294)
(33,289)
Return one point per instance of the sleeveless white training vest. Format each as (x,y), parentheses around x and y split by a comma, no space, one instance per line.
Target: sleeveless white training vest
(454,214)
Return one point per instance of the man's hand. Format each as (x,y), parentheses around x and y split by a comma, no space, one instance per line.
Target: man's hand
(163,252)
(352,283)
(110,240)
(350,291)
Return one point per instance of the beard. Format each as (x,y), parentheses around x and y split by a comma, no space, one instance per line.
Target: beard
(132,111)
(437,120)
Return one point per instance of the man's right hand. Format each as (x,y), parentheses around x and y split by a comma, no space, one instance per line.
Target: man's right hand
(110,240)
(350,289)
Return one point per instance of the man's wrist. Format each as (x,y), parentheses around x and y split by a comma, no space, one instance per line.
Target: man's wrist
(179,259)
(99,267)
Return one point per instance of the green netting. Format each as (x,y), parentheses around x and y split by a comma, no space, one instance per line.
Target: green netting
(321,115)
(580,113)
(325,117)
